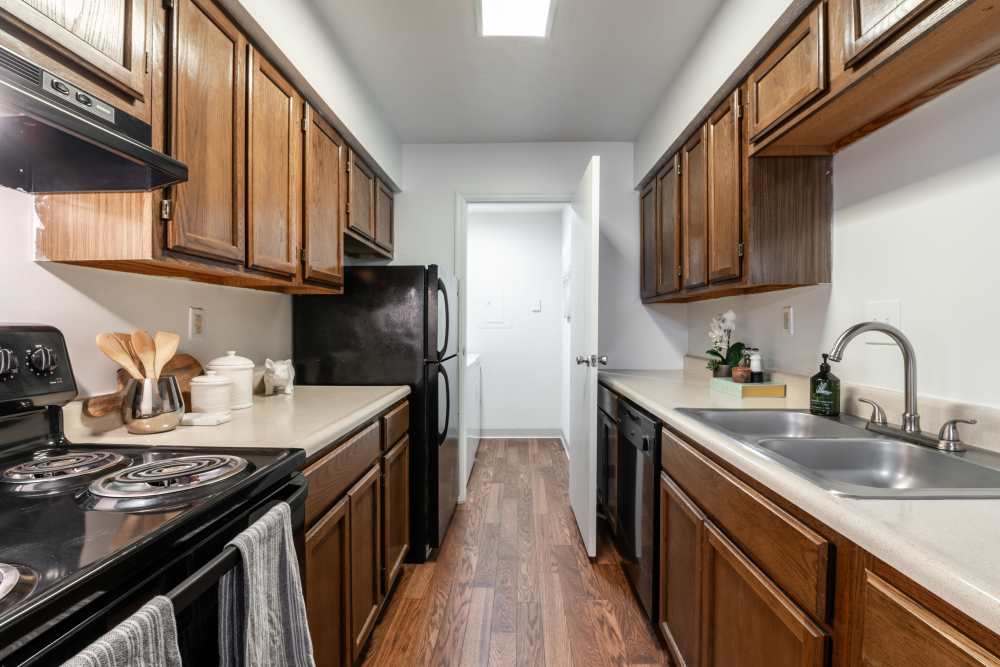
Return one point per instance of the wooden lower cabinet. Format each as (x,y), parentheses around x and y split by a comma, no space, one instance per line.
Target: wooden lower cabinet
(746,619)
(897,630)
(396,510)
(682,541)
(365,501)
(328,586)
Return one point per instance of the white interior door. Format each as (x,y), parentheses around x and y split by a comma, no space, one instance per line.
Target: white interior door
(584,238)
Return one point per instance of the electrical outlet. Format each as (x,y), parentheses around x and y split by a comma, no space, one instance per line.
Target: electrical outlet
(886,312)
(196,322)
(788,320)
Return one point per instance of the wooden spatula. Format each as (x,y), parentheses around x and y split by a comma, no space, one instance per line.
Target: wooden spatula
(117,353)
(126,341)
(144,348)
(165,343)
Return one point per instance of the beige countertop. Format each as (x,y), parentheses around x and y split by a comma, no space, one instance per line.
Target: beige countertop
(949,547)
(309,419)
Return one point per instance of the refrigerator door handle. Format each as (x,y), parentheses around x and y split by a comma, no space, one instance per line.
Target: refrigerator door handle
(443,435)
(447,319)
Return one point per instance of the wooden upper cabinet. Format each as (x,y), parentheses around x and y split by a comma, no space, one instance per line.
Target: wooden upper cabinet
(682,541)
(899,631)
(361,200)
(747,620)
(105,37)
(274,159)
(328,586)
(325,199)
(384,223)
(725,203)
(366,560)
(668,205)
(694,209)
(207,124)
(870,24)
(648,240)
(396,510)
(791,76)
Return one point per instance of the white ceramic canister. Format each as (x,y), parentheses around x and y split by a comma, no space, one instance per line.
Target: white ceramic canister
(240,371)
(211,393)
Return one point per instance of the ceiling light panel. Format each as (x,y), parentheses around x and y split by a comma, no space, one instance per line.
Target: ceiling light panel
(515,18)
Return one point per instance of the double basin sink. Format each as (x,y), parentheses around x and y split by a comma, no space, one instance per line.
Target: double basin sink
(847,460)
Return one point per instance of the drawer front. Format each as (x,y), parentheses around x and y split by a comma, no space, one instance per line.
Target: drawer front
(331,476)
(790,553)
(395,424)
(899,631)
(607,401)
(635,426)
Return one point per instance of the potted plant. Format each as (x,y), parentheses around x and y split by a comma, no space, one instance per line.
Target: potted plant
(724,354)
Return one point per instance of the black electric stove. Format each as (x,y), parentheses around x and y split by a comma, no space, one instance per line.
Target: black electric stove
(88,533)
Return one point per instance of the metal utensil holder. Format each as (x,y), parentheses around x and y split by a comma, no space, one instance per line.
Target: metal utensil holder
(152,406)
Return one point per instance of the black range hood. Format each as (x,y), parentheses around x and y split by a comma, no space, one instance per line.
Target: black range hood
(56,137)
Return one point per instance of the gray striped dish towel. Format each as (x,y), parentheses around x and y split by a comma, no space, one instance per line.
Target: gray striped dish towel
(147,638)
(262,614)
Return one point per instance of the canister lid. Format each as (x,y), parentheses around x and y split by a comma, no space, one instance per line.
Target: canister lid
(211,378)
(230,361)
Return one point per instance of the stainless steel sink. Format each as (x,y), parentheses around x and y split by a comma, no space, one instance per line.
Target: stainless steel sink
(848,460)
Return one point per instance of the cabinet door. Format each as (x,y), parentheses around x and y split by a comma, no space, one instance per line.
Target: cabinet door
(361,200)
(105,37)
(274,159)
(791,76)
(668,205)
(396,510)
(682,540)
(384,231)
(870,24)
(326,197)
(207,131)
(366,560)
(694,209)
(746,619)
(899,631)
(647,240)
(724,201)
(328,586)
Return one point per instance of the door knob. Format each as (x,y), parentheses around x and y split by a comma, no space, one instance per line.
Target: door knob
(582,360)
(602,360)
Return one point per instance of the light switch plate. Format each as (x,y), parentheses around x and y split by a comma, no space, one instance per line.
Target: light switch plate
(196,322)
(886,312)
(788,320)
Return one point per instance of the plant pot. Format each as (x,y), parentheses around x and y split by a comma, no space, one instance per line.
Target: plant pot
(723,371)
(741,374)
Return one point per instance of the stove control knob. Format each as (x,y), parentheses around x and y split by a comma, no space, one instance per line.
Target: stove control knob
(42,360)
(8,363)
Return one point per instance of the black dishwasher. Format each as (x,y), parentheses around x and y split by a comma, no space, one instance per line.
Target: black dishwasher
(639,452)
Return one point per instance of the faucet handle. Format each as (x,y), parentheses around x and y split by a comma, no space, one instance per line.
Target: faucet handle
(878,414)
(948,437)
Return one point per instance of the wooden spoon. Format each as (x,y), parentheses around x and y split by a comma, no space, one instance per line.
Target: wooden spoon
(165,343)
(117,353)
(126,341)
(144,348)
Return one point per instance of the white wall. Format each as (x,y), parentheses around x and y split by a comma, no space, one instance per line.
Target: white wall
(566,264)
(916,218)
(515,261)
(82,302)
(733,32)
(300,31)
(633,336)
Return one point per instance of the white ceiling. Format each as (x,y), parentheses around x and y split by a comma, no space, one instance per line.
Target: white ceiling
(598,77)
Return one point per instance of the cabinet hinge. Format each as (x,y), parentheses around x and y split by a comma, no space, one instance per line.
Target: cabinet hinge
(679,170)
(347,208)
(739,249)
(146,62)
(166,209)
(303,124)
(348,166)
(302,255)
(680,271)
(739,110)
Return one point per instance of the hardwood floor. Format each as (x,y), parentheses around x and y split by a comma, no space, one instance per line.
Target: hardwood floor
(512,584)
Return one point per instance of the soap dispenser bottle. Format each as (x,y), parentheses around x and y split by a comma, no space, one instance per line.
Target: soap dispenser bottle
(824,391)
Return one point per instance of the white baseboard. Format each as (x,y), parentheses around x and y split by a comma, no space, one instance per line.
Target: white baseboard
(564,441)
(520,433)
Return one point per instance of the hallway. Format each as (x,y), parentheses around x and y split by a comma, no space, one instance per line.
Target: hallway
(512,558)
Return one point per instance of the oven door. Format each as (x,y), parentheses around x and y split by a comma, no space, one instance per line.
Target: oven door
(143,576)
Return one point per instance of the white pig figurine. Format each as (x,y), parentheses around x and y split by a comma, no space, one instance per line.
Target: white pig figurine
(278,377)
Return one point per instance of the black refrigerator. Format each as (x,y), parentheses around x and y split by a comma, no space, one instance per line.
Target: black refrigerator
(395,325)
